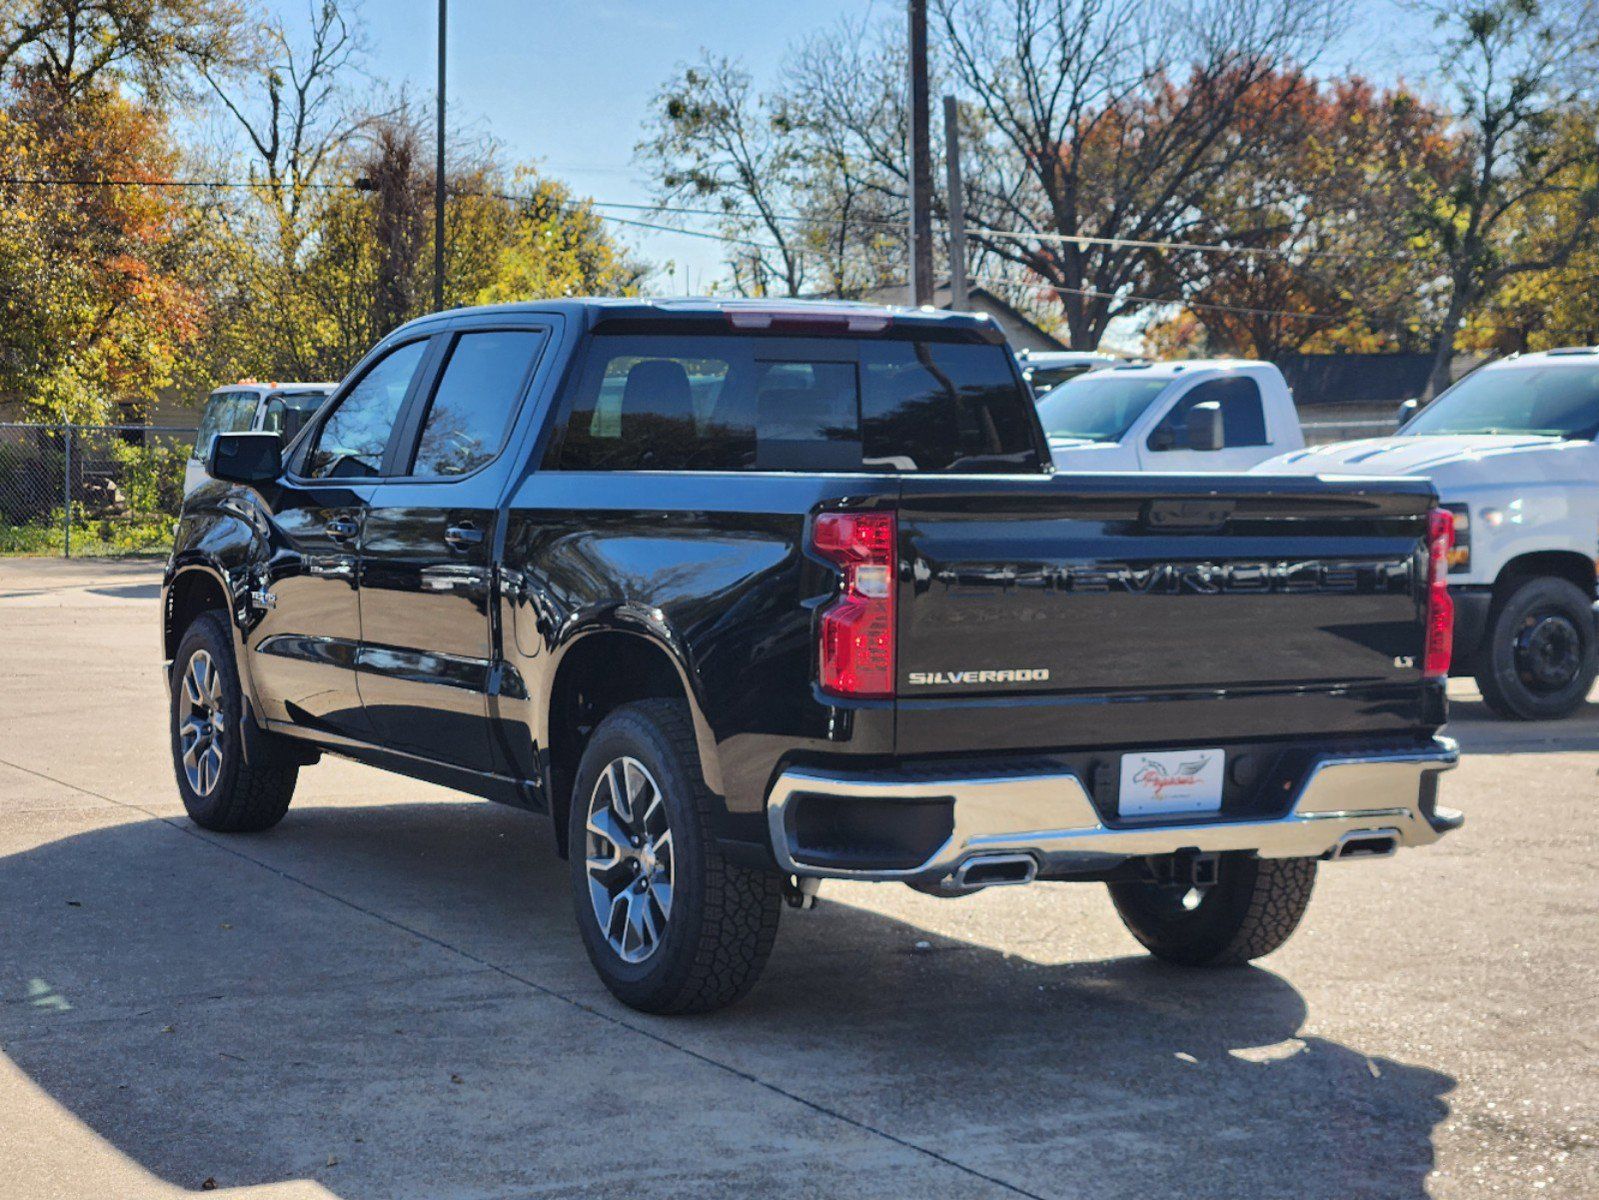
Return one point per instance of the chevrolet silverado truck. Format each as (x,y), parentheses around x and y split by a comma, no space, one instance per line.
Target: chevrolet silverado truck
(743,597)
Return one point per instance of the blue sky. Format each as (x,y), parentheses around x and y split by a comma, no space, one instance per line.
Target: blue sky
(568,84)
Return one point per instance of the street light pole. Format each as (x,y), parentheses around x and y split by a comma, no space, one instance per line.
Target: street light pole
(438,177)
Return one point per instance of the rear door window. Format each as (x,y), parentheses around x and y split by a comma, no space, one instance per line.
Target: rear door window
(475,400)
(752,403)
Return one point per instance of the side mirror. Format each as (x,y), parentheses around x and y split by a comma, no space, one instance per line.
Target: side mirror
(249,458)
(1407,409)
(1205,429)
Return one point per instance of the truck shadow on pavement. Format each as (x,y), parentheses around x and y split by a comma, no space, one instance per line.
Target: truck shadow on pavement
(392,1001)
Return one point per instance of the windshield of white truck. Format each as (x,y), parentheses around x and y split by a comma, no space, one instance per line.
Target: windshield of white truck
(225,412)
(744,402)
(1557,400)
(1098,408)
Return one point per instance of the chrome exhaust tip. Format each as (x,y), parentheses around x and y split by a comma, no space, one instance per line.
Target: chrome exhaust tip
(1366,843)
(994,870)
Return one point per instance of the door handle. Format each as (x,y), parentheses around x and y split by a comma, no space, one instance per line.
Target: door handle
(341,529)
(462,537)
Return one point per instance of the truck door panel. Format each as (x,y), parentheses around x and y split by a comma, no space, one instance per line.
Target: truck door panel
(428,640)
(307,644)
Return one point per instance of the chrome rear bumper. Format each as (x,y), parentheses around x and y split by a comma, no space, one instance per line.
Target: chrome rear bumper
(1051,818)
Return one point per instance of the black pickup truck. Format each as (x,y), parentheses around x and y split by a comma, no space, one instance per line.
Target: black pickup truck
(743,596)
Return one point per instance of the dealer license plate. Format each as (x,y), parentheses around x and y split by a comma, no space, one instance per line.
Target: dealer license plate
(1159,782)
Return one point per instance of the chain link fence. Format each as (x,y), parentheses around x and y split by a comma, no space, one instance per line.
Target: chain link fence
(90,490)
(1325,423)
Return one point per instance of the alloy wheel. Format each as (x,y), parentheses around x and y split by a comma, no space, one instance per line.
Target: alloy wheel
(203,731)
(629,859)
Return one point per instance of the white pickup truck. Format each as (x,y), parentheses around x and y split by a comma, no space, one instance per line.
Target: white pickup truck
(1220,414)
(280,408)
(1511,449)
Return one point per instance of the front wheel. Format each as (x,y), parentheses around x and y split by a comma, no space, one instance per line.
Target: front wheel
(670,925)
(220,789)
(1251,909)
(1539,661)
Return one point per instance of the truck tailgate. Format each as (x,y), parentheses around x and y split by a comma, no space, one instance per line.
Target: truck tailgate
(1098,610)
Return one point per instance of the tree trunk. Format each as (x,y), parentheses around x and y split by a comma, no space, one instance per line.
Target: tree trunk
(1443,346)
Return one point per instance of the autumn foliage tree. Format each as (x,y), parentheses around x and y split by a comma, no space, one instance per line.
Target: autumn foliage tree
(1326,246)
(96,301)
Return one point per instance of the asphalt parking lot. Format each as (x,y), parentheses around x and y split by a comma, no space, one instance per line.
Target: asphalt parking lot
(385,997)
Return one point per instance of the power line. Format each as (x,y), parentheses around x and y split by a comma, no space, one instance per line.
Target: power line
(1078,239)
(268,185)
(1154,301)
(1124,298)
(1083,239)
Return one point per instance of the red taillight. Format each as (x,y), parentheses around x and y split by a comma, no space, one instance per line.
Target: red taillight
(857,645)
(1440,607)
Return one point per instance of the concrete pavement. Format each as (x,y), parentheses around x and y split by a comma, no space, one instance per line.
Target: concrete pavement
(385,996)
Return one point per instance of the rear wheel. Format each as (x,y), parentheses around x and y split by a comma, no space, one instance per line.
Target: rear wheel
(1253,907)
(669,924)
(220,790)
(1539,661)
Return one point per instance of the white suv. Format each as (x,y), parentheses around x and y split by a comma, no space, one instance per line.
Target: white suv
(1511,449)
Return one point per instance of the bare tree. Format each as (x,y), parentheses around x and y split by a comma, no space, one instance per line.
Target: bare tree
(392,170)
(296,112)
(713,138)
(1523,73)
(1111,120)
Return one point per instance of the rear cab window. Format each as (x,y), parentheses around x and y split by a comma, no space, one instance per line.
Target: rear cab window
(749,402)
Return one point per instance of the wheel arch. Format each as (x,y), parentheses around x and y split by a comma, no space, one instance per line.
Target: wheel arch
(1560,564)
(599,669)
(191,588)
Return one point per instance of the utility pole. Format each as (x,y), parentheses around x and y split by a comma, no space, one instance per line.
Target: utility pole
(921,161)
(438,177)
(957,207)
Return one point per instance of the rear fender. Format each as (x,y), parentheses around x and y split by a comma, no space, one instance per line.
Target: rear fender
(652,628)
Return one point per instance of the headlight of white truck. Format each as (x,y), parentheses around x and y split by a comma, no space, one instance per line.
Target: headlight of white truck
(1460,554)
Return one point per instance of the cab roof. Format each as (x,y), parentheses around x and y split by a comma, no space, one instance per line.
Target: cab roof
(264,389)
(1564,354)
(819,317)
(1175,368)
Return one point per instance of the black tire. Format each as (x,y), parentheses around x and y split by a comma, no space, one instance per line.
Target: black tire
(722,919)
(1538,661)
(1252,909)
(242,797)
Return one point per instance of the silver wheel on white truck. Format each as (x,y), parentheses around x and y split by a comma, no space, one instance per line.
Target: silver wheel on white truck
(1538,661)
